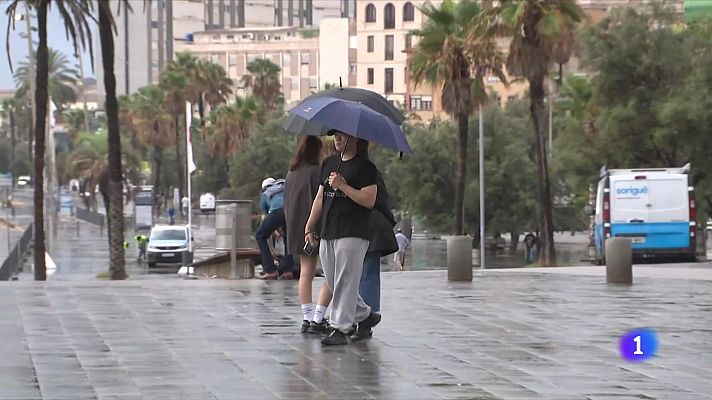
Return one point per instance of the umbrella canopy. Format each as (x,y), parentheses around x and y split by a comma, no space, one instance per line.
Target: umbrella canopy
(355,119)
(370,99)
(373,100)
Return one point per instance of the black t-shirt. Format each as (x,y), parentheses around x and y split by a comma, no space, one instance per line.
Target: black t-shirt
(342,217)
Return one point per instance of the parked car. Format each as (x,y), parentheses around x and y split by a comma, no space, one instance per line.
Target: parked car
(24,181)
(166,244)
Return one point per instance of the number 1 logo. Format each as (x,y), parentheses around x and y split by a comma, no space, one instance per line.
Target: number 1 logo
(638,345)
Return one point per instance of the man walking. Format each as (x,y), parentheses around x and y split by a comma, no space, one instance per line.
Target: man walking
(142,243)
(403,244)
(530,247)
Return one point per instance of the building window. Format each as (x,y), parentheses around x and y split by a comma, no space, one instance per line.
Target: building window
(418,103)
(232,59)
(370,40)
(215,58)
(389,48)
(408,12)
(389,17)
(286,59)
(313,84)
(352,69)
(295,83)
(306,58)
(370,76)
(251,58)
(427,104)
(389,81)
(370,13)
(408,41)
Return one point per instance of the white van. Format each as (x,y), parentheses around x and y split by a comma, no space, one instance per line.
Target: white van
(207,202)
(654,207)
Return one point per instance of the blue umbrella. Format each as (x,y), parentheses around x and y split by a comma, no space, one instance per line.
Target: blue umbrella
(354,119)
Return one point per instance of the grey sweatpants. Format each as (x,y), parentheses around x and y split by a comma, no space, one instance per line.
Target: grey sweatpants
(342,261)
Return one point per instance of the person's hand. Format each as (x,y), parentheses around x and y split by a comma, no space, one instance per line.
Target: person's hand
(309,238)
(277,235)
(336,180)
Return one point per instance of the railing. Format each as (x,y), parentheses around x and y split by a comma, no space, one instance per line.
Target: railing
(14,259)
(91,217)
(100,219)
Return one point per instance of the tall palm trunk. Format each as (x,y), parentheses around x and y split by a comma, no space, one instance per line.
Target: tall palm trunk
(41,99)
(463,128)
(547,255)
(13,142)
(158,159)
(179,168)
(116,207)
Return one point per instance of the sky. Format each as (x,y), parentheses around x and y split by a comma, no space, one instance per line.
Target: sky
(56,39)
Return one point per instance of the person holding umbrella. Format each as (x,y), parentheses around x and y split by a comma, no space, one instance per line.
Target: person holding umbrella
(344,202)
(346,195)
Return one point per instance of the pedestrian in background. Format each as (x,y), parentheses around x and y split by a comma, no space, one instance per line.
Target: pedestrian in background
(171,215)
(403,244)
(141,243)
(272,208)
(300,189)
(346,196)
(530,242)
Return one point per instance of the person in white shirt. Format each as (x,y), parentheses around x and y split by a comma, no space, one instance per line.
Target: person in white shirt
(403,243)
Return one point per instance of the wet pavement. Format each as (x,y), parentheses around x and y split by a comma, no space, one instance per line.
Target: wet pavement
(519,333)
(514,334)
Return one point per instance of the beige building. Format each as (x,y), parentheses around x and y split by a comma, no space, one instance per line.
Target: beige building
(296,51)
(383,38)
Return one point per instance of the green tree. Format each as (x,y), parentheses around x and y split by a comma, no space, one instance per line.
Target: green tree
(152,124)
(62,79)
(452,53)
(536,28)
(263,80)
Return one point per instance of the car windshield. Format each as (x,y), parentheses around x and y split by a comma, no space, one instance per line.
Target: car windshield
(169,234)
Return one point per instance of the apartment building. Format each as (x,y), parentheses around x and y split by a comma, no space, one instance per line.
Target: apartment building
(308,59)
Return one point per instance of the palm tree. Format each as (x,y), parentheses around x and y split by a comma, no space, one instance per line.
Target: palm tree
(9,109)
(536,28)
(74,15)
(115,212)
(62,79)
(215,85)
(231,124)
(263,79)
(452,54)
(176,86)
(89,162)
(152,124)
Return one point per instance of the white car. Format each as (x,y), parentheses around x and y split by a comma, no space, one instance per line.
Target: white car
(166,244)
(24,181)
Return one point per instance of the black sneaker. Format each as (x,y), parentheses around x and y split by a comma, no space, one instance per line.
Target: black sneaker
(305,326)
(318,327)
(363,328)
(335,338)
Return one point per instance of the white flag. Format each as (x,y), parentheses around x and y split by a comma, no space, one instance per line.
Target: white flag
(189,139)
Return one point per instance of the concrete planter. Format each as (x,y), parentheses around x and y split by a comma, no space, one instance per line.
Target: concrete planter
(619,260)
(459,258)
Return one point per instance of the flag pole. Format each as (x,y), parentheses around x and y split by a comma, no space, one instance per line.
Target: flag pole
(190,167)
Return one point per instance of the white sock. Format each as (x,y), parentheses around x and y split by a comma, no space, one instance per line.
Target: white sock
(308,311)
(319,313)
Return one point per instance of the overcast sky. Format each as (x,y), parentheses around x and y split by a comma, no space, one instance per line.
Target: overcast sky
(56,38)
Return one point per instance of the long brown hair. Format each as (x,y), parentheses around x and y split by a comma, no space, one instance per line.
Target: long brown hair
(308,152)
(362,148)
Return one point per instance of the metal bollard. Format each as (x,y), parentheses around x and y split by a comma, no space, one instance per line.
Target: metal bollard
(619,260)
(459,258)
